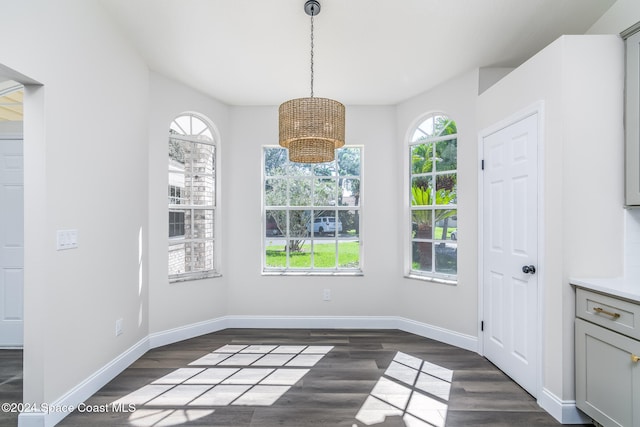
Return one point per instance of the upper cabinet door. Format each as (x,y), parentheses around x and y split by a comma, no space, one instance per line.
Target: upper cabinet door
(632,116)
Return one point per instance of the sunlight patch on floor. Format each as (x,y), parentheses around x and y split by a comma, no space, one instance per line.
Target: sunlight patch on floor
(242,375)
(414,389)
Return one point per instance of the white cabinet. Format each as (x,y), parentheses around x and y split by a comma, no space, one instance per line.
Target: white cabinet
(632,117)
(608,358)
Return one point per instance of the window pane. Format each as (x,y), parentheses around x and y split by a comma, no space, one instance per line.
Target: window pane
(299,223)
(446,258)
(422,256)
(442,125)
(447,155)
(203,158)
(446,223)
(176,192)
(300,192)
(446,189)
(276,223)
(422,191)
(177,157)
(275,192)
(325,169)
(176,223)
(199,190)
(299,255)
(275,254)
(197,126)
(350,224)
(181,125)
(349,161)
(324,222)
(324,253)
(299,169)
(325,192)
(349,192)
(203,224)
(349,254)
(421,224)
(177,258)
(275,161)
(422,158)
(202,255)
(424,130)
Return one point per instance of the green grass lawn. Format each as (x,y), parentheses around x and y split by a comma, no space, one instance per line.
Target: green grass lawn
(324,255)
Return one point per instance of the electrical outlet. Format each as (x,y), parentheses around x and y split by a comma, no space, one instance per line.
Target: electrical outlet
(326,295)
(118,327)
(66,239)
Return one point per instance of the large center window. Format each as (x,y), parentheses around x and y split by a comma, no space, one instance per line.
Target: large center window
(311,213)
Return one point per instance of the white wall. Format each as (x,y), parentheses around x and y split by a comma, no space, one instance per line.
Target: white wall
(174,305)
(251,293)
(622,15)
(85,168)
(580,81)
(452,307)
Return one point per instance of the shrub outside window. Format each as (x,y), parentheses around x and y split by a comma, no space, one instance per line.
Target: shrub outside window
(433,198)
(191,199)
(311,213)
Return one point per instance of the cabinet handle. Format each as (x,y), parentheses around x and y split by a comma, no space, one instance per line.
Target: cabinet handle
(608,313)
(635,359)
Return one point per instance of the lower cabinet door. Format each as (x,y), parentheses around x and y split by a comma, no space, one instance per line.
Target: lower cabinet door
(607,375)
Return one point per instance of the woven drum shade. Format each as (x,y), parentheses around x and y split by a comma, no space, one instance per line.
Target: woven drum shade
(311,128)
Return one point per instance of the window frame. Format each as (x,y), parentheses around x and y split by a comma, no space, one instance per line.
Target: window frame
(333,211)
(180,203)
(410,229)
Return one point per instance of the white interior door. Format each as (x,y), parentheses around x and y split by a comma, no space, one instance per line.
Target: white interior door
(510,284)
(11,243)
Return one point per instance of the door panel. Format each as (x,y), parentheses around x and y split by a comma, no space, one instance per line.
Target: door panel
(11,243)
(510,242)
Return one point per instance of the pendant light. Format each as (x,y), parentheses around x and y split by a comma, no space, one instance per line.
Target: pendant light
(311,128)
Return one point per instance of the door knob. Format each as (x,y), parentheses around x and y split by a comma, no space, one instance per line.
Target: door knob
(529,269)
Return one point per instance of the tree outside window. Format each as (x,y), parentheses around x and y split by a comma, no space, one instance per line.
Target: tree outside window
(434,198)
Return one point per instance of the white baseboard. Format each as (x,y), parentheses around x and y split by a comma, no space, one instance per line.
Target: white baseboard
(565,411)
(446,336)
(456,339)
(96,381)
(87,388)
(158,339)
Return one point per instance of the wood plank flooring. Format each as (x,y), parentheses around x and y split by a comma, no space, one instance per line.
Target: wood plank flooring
(10,384)
(296,377)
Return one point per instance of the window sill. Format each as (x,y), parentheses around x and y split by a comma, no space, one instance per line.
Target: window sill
(440,280)
(195,276)
(314,273)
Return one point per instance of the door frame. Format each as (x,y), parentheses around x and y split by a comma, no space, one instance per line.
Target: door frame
(536,108)
(12,137)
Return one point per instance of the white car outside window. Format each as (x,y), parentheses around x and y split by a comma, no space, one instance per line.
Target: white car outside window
(325,224)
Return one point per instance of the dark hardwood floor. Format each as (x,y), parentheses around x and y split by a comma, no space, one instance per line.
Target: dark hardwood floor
(295,377)
(10,384)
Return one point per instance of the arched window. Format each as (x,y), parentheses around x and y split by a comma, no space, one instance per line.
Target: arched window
(433,162)
(192,198)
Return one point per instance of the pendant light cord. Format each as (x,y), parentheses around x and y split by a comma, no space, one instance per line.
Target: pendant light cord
(312,13)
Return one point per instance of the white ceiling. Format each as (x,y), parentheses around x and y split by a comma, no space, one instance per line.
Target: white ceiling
(380,52)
